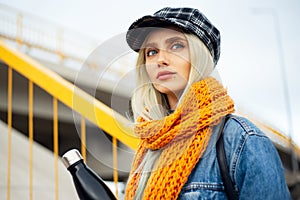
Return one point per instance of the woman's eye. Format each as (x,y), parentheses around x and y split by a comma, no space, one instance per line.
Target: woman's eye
(151,52)
(177,46)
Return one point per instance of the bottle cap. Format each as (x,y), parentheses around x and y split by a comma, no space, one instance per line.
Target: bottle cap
(71,157)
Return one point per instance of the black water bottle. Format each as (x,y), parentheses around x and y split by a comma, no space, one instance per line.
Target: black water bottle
(88,184)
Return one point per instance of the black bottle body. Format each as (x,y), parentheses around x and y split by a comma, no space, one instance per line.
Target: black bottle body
(89,185)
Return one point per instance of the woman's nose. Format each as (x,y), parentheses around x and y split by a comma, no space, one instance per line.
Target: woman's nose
(163,58)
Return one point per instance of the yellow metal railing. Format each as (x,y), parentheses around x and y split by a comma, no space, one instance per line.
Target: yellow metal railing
(66,92)
(61,91)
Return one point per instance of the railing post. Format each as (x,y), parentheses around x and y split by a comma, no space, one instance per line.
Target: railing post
(30,130)
(59,44)
(9,126)
(83,139)
(55,144)
(19,30)
(115,160)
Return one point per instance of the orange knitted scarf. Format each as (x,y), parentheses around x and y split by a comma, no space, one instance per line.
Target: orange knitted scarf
(182,138)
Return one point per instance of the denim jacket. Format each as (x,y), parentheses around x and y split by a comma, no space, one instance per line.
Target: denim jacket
(254,166)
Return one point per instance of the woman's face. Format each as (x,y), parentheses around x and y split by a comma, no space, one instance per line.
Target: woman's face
(167,59)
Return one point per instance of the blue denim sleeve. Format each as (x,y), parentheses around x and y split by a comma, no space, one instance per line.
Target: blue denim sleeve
(259,171)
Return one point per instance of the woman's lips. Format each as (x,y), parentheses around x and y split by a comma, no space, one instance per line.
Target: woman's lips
(164,75)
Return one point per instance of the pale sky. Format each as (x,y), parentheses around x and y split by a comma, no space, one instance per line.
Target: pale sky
(251,59)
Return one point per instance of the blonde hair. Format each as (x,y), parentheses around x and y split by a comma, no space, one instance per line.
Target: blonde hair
(146,96)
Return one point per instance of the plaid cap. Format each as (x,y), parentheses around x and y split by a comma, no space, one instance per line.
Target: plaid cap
(190,20)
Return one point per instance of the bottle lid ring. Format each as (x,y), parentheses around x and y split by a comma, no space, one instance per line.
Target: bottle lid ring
(71,157)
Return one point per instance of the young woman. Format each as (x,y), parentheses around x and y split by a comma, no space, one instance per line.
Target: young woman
(179,108)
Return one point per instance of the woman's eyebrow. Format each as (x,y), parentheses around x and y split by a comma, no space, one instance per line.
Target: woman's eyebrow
(151,44)
(173,39)
(168,41)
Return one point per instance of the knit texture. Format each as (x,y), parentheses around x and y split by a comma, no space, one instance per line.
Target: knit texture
(182,136)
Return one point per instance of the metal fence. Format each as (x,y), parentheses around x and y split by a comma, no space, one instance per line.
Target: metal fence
(61,91)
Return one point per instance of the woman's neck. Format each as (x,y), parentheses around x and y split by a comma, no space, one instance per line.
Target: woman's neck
(172,100)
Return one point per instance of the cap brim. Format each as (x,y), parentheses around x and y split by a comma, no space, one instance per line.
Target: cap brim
(139,30)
